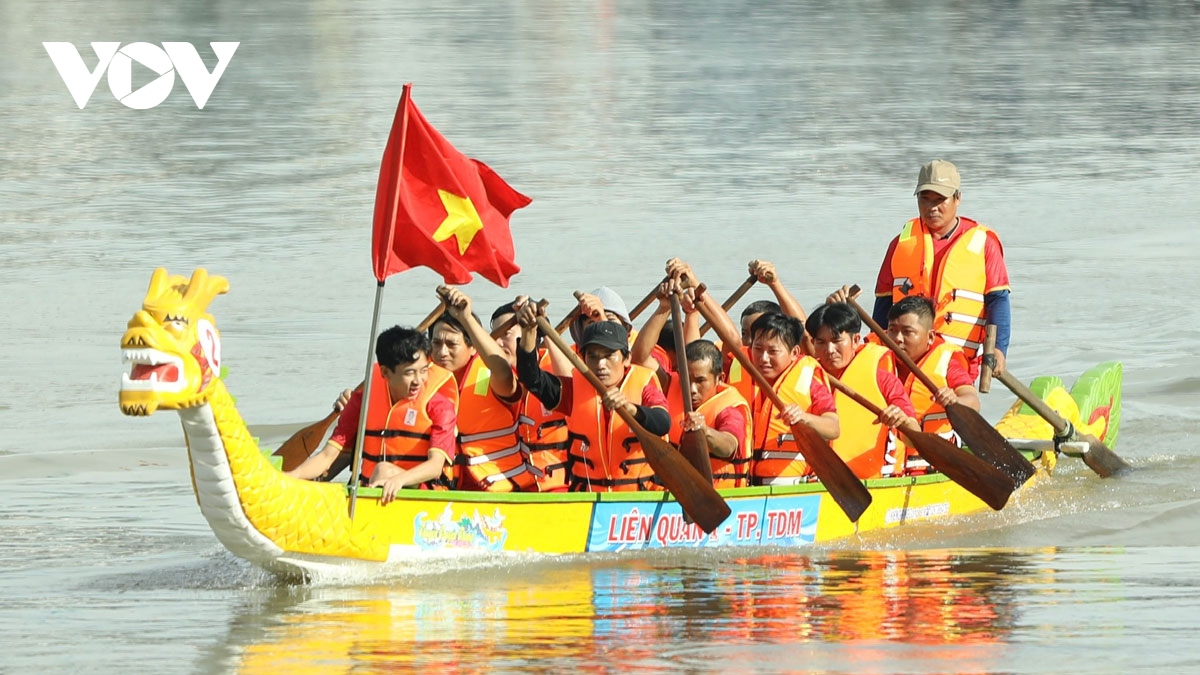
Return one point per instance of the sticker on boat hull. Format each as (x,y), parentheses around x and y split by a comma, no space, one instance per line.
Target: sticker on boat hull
(783,521)
(476,531)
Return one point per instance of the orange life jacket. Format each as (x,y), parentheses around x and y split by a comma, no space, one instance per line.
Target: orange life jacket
(547,440)
(491,456)
(733,471)
(956,286)
(931,415)
(400,433)
(608,457)
(863,443)
(739,379)
(777,458)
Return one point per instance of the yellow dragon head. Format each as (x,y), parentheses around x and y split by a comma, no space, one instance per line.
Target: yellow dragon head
(172,344)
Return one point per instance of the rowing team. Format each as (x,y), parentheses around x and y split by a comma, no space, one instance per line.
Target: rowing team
(459,407)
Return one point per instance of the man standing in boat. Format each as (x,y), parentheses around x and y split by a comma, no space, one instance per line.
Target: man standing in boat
(866,443)
(954,261)
(491,455)
(409,439)
(800,383)
(608,456)
(910,324)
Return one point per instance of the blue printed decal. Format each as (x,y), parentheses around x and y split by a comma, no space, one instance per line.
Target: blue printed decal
(754,521)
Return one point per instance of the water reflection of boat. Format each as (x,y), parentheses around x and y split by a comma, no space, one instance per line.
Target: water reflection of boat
(296,527)
(951,606)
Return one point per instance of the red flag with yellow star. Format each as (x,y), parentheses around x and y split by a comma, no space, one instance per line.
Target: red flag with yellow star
(438,208)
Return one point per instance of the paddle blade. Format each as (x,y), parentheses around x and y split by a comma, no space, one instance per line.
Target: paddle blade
(304,442)
(694,447)
(845,488)
(697,496)
(978,477)
(1101,459)
(983,440)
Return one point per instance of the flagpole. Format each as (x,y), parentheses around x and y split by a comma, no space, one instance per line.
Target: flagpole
(356,465)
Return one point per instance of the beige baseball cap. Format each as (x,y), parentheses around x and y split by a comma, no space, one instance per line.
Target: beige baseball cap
(940,176)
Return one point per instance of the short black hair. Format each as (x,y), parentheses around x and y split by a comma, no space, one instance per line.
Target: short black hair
(761,307)
(500,311)
(704,350)
(666,336)
(774,324)
(913,304)
(400,345)
(453,324)
(838,317)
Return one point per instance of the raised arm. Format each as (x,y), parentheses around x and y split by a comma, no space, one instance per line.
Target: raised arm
(503,383)
(766,273)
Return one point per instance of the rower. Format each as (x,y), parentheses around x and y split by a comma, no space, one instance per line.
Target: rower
(491,455)
(608,456)
(719,410)
(910,324)
(544,432)
(409,438)
(800,383)
(866,443)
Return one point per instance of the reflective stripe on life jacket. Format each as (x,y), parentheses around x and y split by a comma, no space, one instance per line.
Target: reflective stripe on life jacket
(739,379)
(547,440)
(863,440)
(733,471)
(956,286)
(399,433)
(775,451)
(608,457)
(491,455)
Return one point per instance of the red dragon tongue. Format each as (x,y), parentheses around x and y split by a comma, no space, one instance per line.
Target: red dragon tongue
(163,372)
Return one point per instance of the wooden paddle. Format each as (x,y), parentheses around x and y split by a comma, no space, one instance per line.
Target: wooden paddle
(304,442)
(1098,456)
(981,437)
(981,479)
(733,300)
(989,359)
(692,444)
(695,495)
(845,488)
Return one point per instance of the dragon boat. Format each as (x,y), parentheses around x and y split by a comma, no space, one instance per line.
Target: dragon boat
(297,528)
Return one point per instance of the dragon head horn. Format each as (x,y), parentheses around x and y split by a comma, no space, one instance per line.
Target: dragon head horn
(203,288)
(168,291)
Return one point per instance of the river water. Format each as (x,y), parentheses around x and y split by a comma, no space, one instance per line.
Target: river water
(642,130)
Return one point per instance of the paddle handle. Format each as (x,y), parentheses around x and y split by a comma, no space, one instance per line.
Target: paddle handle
(504,327)
(733,300)
(1039,406)
(989,357)
(693,444)
(685,384)
(432,318)
(887,340)
(645,302)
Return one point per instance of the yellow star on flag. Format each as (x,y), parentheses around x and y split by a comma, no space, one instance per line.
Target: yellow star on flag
(462,220)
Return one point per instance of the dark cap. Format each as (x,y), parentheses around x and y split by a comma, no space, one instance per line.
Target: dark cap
(609,334)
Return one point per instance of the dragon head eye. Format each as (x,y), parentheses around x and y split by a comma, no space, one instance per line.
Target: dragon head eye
(175,324)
